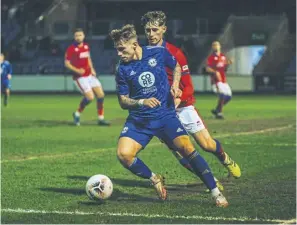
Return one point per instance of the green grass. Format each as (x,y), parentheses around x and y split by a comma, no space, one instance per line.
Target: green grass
(46,162)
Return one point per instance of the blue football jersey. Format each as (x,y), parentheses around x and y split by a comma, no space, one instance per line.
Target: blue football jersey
(5,70)
(147,78)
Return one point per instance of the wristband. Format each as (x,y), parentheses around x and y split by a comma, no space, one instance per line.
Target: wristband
(140,102)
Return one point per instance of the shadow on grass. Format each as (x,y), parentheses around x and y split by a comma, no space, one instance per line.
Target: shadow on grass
(117,195)
(176,189)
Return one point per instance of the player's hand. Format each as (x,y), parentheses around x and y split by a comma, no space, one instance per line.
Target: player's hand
(151,102)
(179,93)
(177,101)
(81,71)
(93,72)
(9,76)
(230,61)
(175,91)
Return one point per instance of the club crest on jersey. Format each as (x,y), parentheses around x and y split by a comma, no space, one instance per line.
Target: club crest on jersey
(86,47)
(146,79)
(76,49)
(152,62)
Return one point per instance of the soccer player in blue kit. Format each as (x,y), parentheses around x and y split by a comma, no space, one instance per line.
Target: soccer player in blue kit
(6,71)
(144,90)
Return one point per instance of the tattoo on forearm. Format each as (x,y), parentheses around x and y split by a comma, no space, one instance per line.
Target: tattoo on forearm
(128,103)
(176,75)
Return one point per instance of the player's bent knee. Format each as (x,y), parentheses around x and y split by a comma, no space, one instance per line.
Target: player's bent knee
(184,145)
(125,155)
(90,96)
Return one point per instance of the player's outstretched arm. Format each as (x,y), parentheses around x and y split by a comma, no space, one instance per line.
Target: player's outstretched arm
(129,103)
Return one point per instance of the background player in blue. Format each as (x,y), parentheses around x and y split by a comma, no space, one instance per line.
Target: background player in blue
(6,71)
(144,90)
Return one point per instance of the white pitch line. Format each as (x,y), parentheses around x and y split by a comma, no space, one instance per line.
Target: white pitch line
(194,217)
(255,131)
(262,144)
(150,145)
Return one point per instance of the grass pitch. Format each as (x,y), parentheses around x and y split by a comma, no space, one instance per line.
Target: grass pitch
(46,162)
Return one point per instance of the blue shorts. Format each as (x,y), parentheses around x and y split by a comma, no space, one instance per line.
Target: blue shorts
(5,84)
(167,129)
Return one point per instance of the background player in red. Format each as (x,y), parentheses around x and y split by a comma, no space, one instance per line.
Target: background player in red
(217,64)
(155,27)
(78,60)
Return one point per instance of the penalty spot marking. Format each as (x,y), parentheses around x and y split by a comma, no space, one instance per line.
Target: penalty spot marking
(194,217)
(54,156)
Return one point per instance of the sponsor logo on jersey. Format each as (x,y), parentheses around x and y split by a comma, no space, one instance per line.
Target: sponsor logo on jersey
(84,55)
(146,79)
(220,64)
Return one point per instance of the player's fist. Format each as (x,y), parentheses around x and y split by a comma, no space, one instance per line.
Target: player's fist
(9,76)
(81,71)
(151,102)
(177,101)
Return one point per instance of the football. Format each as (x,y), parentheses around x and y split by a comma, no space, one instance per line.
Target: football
(99,187)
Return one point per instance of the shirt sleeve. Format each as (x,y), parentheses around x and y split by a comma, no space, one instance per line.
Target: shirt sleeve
(169,60)
(122,85)
(68,54)
(182,61)
(188,89)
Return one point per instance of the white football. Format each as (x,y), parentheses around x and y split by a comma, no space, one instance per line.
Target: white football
(99,187)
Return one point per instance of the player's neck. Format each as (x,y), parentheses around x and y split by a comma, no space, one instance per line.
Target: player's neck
(79,44)
(138,53)
(160,43)
(218,52)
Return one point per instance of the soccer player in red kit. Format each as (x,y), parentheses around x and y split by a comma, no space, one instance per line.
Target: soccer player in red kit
(217,64)
(78,60)
(155,27)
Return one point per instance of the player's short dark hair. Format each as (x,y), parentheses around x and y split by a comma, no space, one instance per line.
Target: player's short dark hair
(124,34)
(78,30)
(155,17)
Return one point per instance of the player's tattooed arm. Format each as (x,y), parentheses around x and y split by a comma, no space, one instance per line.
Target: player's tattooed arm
(176,79)
(129,103)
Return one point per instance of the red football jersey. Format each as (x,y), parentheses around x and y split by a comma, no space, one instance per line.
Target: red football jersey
(79,58)
(219,63)
(186,84)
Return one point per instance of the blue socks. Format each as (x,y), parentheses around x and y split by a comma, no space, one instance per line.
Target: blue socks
(140,169)
(223,100)
(202,169)
(227,99)
(219,153)
(84,102)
